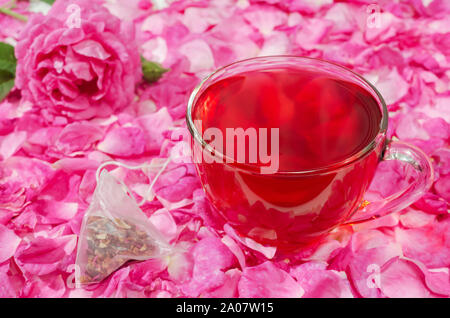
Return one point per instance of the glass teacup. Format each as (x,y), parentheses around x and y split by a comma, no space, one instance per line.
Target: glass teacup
(290,209)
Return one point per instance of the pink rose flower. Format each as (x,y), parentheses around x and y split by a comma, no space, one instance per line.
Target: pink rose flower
(78,61)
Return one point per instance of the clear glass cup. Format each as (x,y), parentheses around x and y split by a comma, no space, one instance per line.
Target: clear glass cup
(324,198)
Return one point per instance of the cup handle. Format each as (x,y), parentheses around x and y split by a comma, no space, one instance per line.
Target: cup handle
(424,176)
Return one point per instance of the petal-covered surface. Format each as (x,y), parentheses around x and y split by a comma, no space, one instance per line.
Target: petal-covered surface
(79,102)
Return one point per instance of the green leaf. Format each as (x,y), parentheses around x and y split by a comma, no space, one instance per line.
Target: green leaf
(50,2)
(7,52)
(152,70)
(8,64)
(5,88)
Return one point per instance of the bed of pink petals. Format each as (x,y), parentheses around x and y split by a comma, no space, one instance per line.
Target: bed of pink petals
(47,173)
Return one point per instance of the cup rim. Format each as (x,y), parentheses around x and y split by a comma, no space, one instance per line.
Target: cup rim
(249,168)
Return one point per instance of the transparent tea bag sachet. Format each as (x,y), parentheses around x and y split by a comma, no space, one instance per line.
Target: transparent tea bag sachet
(114,231)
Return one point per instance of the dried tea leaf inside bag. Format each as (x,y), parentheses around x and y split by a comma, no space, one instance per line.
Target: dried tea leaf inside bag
(114,231)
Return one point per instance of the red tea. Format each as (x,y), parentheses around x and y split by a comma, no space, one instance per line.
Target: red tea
(322,121)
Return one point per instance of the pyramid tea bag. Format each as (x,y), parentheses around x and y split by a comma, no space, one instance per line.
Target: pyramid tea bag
(114,231)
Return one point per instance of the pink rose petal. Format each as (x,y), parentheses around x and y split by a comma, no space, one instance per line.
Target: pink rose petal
(124,142)
(11,280)
(164,222)
(432,203)
(235,249)
(312,32)
(144,273)
(44,287)
(268,281)
(78,137)
(180,267)
(265,19)
(10,144)
(9,243)
(199,55)
(318,282)
(211,258)
(415,219)
(154,126)
(429,244)
(45,255)
(442,187)
(56,212)
(391,85)
(403,279)
(91,48)
(230,288)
